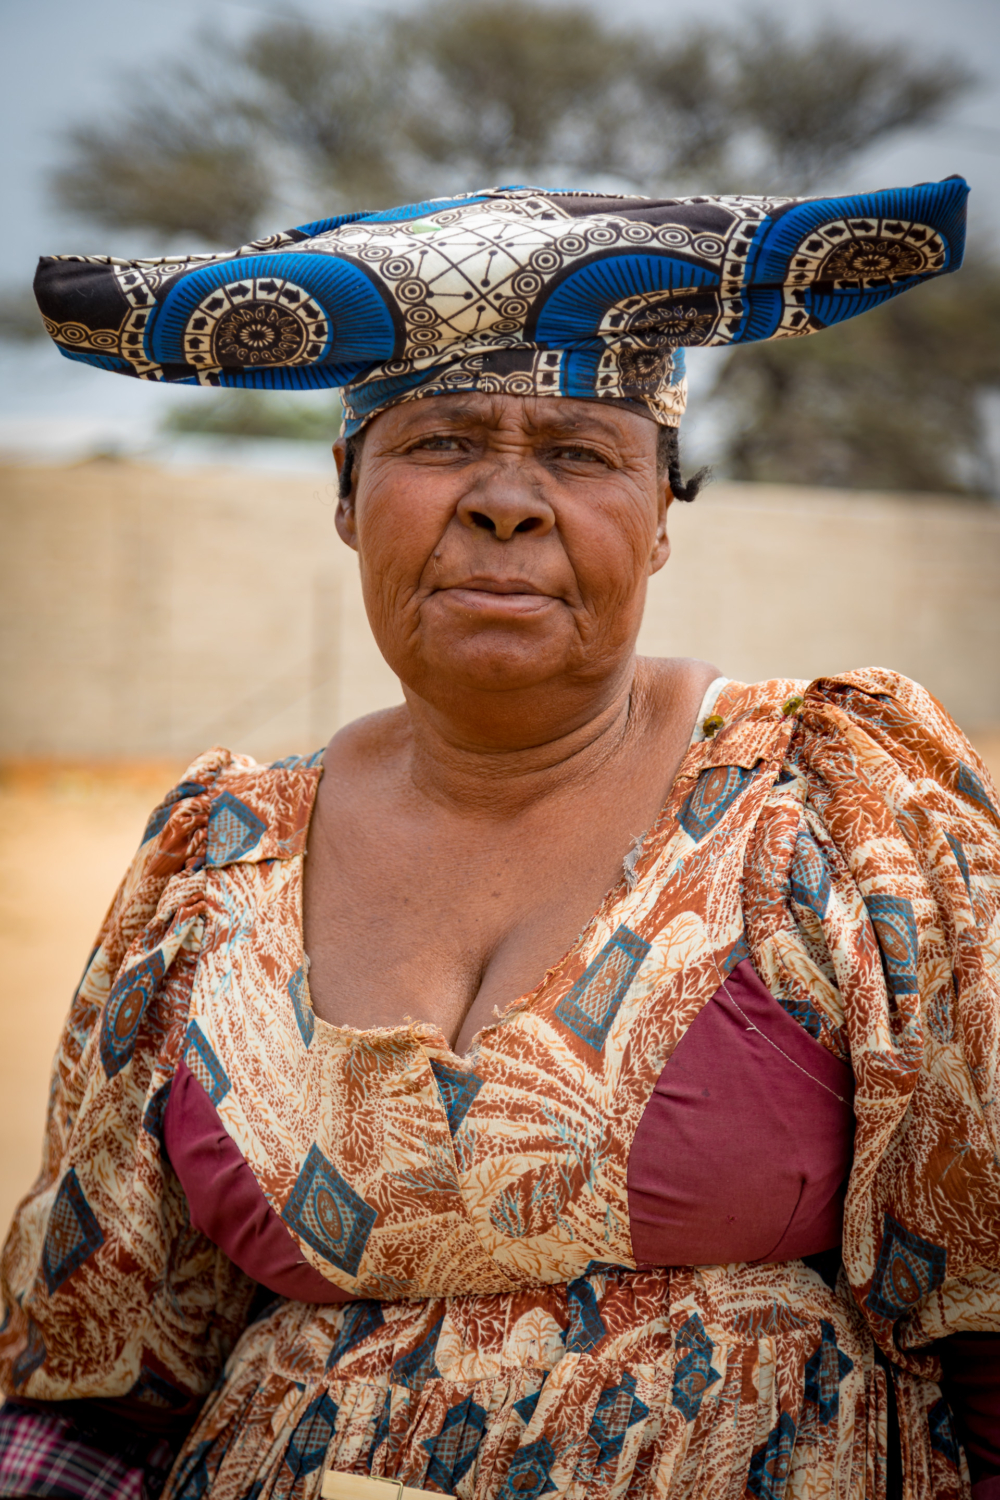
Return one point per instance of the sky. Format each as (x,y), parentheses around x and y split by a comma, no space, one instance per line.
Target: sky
(63,62)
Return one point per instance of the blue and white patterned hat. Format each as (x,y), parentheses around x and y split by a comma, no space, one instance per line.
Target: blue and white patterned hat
(515,290)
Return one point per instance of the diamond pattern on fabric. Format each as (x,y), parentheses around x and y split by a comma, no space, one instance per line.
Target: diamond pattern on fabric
(203,1063)
(301,1004)
(808,877)
(125,1009)
(233,831)
(693,1372)
(713,794)
(458,1088)
(529,1472)
(590,1007)
(618,1408)
(771,1465)
(420,1365)
(160,815)
(824,1372)
(586,1326)
(306,1451)
(359,1320)
(454,1449)
(72,1236)
(896,929)
(328,1214)
(31,1357)
(908,1269)
(970,785)
(942,1431)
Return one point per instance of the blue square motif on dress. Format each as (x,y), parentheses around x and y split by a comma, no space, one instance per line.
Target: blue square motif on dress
(125,1009)
(907,1270)
(359,1319)
(969,784)
(233,830)
(942,1432)
(306,1451)
(771,1465)
(419,1365)
(693,1372)
(825,1369)
(458,1088)
(713,794)
(590,1007)
(586,1326)
(454,1450)
(203,1063)
(618,1408)
(73,1233)
(530,1472)
(960,859)
(808,877)
(31,1357)
(299,992)
(328,1214)
(896,929)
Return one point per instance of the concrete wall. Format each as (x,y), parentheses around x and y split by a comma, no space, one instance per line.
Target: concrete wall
(148,613)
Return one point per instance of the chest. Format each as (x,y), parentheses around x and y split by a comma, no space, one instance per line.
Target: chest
(410,911)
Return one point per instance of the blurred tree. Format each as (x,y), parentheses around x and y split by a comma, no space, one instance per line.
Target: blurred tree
(180,155)
(259,414)
(817,101)
(893,400)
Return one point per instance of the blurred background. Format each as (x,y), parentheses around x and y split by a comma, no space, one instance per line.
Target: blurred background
(170,576)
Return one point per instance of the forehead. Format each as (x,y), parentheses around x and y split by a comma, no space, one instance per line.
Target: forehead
(526,416)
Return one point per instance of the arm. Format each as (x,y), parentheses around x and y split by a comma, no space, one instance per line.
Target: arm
(115,1308)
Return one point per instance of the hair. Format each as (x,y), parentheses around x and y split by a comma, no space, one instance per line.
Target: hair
(668,461)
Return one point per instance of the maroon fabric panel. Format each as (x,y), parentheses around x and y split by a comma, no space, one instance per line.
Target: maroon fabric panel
(743,1151)
(226,1201)
(970,1365)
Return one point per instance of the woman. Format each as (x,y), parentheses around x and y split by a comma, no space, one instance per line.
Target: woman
(607,1105)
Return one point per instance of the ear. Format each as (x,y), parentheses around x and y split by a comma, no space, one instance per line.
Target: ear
(661,544)
(346,520)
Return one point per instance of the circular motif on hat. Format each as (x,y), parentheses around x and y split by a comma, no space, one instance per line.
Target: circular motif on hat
(637,233)
(397,268)
(572,244)
(374,252)
(708,245)
(545,261)
(602,234)
(869,260)
(675,238)
(423,335)
(508,325)
(256,324)
(422,316)
(513,307)
(411,291)
(526,283)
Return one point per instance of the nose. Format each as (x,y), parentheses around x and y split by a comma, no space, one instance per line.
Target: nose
(505,504)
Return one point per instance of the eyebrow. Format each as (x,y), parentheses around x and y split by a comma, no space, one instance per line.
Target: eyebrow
(554,426)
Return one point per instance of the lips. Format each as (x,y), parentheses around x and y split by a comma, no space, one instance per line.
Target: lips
(496,596)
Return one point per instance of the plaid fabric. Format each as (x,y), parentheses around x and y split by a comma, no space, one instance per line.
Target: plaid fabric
(44,1455)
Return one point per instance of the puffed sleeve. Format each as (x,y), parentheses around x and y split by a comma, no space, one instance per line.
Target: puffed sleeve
(108,1291)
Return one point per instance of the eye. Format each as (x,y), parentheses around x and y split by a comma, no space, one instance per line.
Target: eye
(437,443)
(574,454)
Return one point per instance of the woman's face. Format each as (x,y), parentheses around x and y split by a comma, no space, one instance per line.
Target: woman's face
(505,541)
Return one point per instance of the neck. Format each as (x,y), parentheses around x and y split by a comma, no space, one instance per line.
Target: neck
(508,753)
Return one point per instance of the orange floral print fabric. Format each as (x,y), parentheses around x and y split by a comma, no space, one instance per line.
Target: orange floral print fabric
(845,837)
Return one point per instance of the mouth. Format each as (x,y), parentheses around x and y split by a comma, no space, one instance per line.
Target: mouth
(497,596)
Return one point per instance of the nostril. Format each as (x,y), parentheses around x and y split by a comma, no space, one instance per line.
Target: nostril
(478,519)
(528,525)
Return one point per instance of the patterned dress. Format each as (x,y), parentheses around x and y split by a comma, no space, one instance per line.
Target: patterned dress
(504,1345)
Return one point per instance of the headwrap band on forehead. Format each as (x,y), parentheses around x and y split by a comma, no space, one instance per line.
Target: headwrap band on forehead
(518,291)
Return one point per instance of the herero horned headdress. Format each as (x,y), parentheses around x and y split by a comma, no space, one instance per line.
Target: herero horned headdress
(515,290)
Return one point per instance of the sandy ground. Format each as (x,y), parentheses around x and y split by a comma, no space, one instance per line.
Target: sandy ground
(66,836)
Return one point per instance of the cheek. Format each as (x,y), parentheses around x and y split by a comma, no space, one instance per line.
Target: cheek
(610,548)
